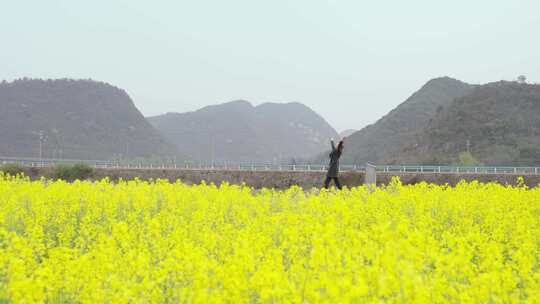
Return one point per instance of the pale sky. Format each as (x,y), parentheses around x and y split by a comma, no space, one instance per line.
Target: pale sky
(351,61)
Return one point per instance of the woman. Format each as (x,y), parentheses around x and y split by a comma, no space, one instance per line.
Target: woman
(333,168)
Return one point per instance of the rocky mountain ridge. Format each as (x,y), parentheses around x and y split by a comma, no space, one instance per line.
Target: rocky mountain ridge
(237,131)
(75,119)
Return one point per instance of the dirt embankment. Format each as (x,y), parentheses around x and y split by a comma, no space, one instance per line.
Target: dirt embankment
(259,179)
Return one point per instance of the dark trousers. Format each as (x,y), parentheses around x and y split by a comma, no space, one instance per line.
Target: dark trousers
(336,181)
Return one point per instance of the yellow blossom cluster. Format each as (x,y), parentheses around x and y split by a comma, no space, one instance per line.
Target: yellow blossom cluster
(161,242)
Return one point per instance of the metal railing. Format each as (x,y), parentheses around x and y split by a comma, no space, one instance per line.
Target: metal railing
(458,169)
(235,166)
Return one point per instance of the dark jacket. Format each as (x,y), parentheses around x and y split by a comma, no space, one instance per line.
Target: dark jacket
(333,168)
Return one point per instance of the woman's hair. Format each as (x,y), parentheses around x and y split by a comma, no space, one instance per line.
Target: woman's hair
(340,146)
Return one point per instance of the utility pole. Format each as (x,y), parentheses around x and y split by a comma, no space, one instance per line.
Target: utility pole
(57,150)
(40,148)
(468,146)
(42,139)
(212,146)
(213,150)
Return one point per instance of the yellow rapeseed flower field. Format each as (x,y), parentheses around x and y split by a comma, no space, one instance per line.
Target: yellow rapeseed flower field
(161,242)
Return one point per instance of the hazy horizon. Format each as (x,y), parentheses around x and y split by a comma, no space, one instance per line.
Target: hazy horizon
(350,62)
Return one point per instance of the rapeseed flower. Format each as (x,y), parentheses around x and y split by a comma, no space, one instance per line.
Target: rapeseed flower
(160,242)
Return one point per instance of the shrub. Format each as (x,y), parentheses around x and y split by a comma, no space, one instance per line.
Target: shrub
(79,171)
(12,169)
(467,159)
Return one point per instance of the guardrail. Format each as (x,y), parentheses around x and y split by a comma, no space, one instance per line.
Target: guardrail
(35,162)
(459,169)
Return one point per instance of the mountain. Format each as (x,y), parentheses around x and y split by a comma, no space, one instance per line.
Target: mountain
(240,132)
(346,133)
(374,142)
(79,119)
(501,122)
